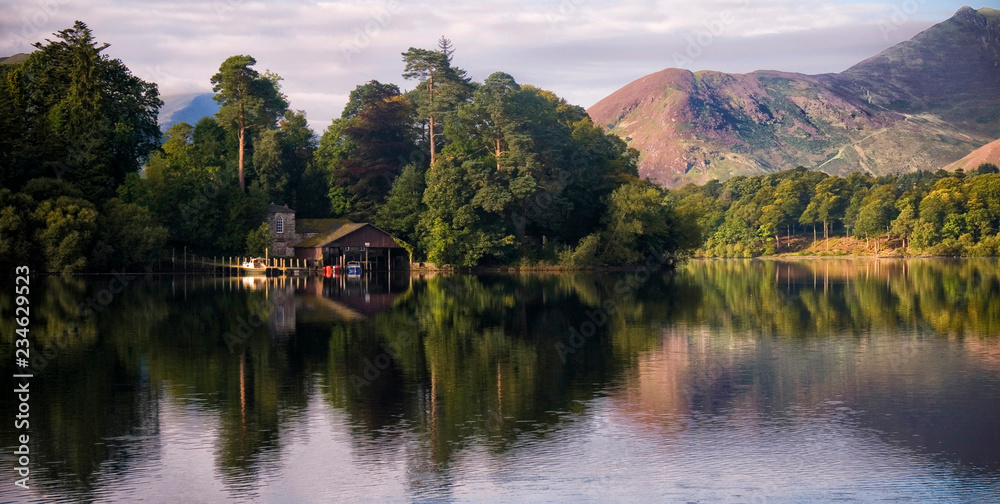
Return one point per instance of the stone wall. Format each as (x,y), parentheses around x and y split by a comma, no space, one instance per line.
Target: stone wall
(281,243)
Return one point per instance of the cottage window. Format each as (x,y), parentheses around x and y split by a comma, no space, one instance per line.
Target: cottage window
(279,225)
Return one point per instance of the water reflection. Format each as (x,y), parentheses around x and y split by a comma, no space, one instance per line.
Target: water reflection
(440,386)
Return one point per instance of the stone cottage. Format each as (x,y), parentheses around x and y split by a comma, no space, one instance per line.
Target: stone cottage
(287,231)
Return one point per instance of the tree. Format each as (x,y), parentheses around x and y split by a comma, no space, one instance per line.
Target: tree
(366,148)
(441,86)
(853,208)
(66,233)
(984,204)
(831,203)
(401,212)
(495,99)
(771,218)
(905,222)
(17,227)
(446,48)
(574,191)
(518,131)
(699,207)
(640,224)
(259,241)
(987,168)
(312,195)
(177,153)
(189,194)
(70,111)
(454,230)
(877,212)
(211,149)
(791,196)
(811,215)
(298,144)
(524,169)
(943,210)
(246,100)
(127,236)
(271,176)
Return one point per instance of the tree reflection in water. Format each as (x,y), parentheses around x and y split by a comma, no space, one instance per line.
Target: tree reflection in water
(442,364)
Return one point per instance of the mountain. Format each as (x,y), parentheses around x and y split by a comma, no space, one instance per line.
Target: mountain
(10,60)
(920,104)
(189,108)
(989,153)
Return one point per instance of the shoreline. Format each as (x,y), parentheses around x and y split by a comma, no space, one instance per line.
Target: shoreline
(670,265)
(851,257)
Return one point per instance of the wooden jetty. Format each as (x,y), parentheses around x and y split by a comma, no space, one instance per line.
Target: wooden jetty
(244,266)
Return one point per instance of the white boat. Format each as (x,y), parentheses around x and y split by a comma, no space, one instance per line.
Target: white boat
(255,266)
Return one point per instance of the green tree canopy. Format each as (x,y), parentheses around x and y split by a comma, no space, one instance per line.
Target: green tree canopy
(366,148)
(70,111)
(247,100)
(441,87)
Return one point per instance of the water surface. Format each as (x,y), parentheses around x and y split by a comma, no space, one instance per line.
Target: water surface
(727,381)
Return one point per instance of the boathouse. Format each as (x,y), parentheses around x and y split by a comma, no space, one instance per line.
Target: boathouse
(354,241)
(286,230)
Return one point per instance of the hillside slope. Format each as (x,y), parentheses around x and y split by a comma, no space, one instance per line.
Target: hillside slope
(918,105)
(189,108)
(10,60)
(989,153)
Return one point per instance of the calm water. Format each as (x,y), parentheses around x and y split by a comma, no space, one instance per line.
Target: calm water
(728,381)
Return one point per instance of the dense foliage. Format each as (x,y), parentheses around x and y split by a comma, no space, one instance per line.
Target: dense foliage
(463,173)
(75,124)
(940,213)
(470,173)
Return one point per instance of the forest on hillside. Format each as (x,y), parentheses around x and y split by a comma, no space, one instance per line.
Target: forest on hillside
(928,213)
(463,173)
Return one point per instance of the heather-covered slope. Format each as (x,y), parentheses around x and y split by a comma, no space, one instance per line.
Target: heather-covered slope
(989,153)
(918,105)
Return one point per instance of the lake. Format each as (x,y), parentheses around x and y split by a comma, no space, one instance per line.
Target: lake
(726,381)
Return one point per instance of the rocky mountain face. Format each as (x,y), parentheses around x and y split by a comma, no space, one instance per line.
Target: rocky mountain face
(920,104)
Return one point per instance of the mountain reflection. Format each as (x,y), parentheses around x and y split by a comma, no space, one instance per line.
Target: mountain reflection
(445,364)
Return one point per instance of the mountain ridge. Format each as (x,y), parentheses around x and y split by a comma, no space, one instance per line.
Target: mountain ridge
(989,153)
(189,108)
(882,115)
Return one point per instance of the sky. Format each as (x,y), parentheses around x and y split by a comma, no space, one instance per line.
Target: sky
(583,50)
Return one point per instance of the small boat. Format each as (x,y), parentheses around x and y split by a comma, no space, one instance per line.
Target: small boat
(353,269)
(255,266)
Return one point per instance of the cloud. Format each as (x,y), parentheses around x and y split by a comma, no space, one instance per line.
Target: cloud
(580,49)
